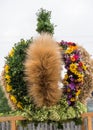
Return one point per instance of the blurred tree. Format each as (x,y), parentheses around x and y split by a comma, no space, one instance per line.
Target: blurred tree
(4,107)
(43,22)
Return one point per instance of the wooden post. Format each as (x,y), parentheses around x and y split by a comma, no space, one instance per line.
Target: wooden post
(89,123)
(13,125)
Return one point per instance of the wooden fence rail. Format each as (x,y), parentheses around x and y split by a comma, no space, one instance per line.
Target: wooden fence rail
(11,124)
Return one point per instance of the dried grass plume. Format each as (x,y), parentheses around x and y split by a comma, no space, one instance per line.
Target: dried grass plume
(42,71)
(87,87)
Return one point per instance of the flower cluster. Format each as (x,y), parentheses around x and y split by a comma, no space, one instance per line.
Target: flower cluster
(74,77)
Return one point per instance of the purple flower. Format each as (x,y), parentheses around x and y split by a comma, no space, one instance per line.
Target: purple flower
(72,86)
(69,96)
(69,103)
(63,43)
(71,78)
(80,69)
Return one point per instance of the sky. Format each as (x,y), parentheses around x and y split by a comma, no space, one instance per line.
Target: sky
(74,20)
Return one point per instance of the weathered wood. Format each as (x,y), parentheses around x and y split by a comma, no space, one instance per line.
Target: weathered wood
(3,125)
(7,125)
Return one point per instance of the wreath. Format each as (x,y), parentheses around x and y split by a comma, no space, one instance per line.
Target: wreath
(69,104)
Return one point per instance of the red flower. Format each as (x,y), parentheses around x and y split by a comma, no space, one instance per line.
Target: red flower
(70,43)
(80,64)
(76,57)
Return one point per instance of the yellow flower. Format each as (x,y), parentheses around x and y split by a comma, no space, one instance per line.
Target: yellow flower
(7,76)
(8,81)
(84,67)
(71,49)
(80,75)
(73,67)
(13,99)
(66,77)
(19,105)
(8,88)
(78,92)
(76,72)
(7,68)
(11,52)
(68,90)
(80,79)
(72,99)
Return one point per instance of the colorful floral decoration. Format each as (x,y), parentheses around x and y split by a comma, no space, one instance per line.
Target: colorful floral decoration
(74,77)
(68,107)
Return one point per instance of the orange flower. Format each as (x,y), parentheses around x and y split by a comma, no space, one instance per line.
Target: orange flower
(74,47)
(72,58)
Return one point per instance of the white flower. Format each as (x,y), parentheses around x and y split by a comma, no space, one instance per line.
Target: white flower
(60,85)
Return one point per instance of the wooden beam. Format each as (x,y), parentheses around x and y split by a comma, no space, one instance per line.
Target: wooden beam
(11,118)
(87,114)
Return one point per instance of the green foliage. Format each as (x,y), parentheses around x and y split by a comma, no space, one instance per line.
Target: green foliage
(58,113)
(43,22)
(16,72)
(4,107)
